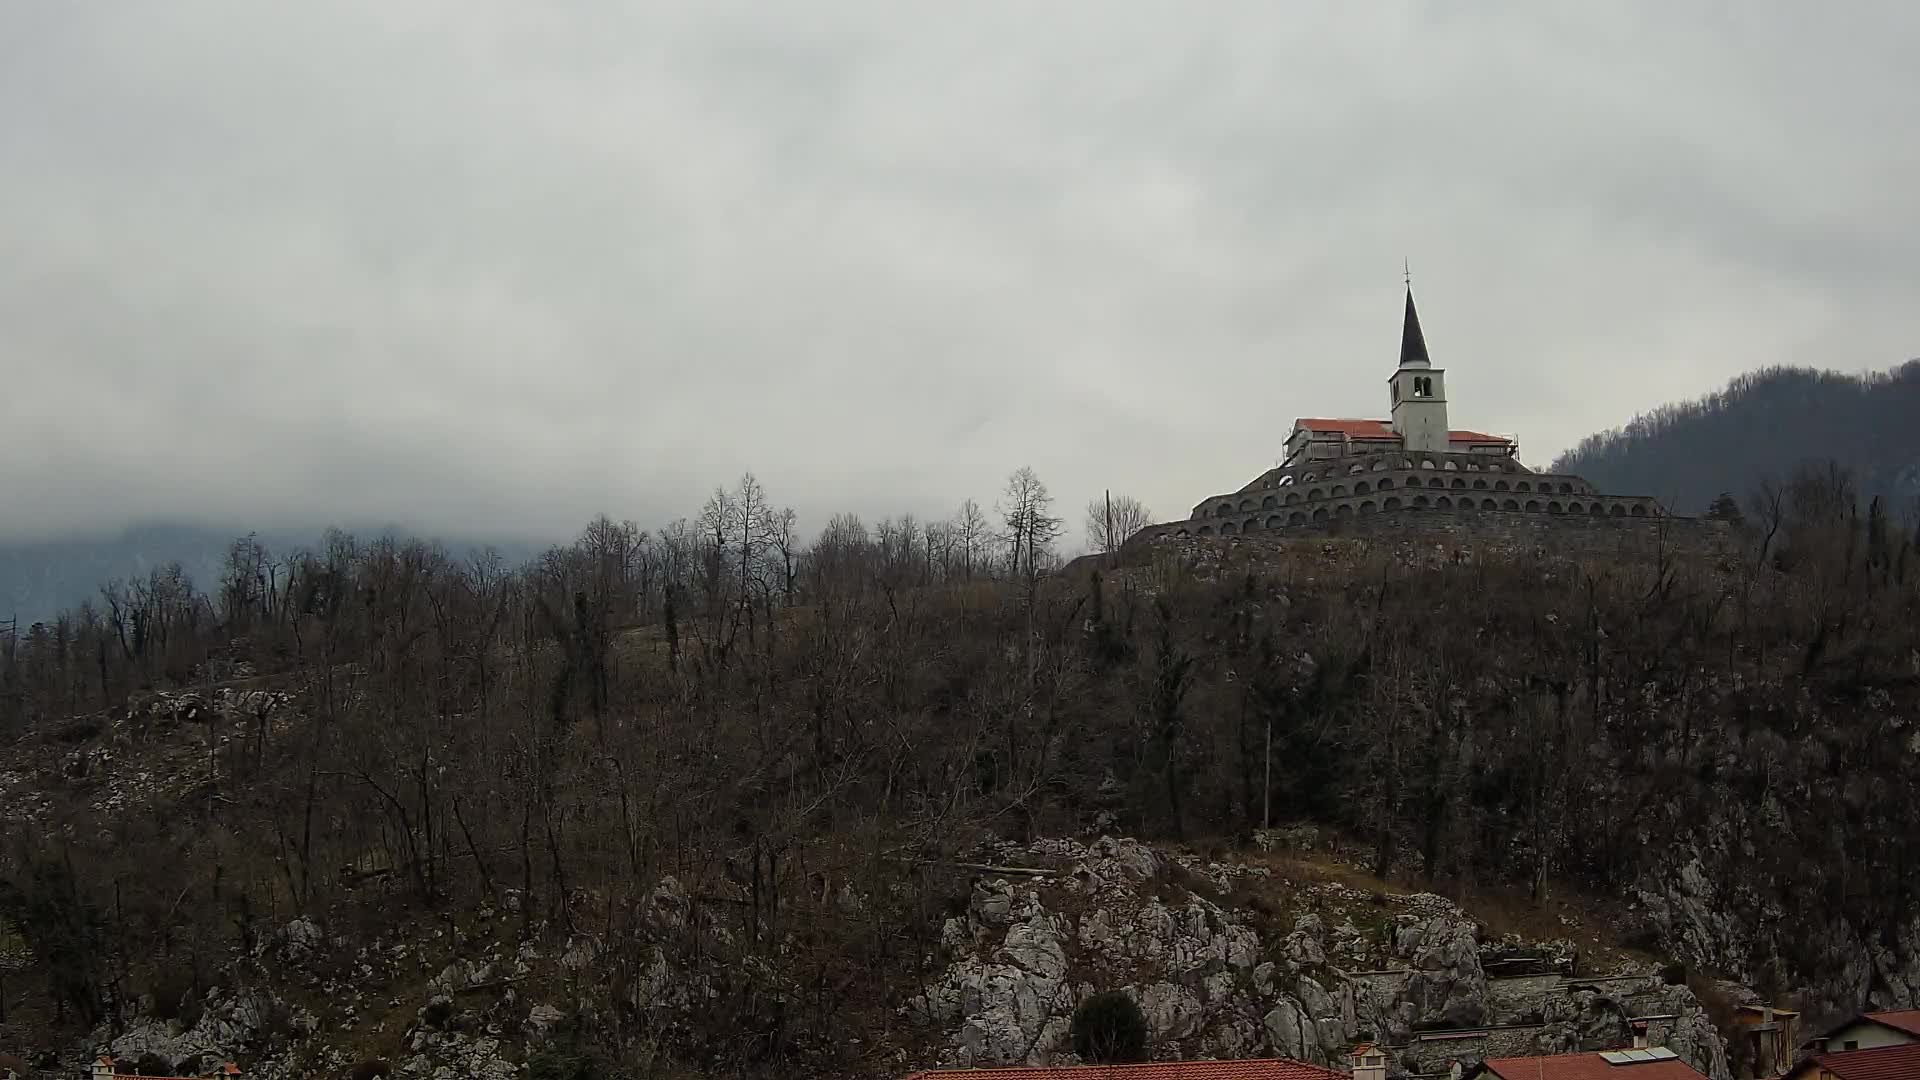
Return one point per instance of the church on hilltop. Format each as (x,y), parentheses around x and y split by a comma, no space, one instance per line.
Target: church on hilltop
(1414,463)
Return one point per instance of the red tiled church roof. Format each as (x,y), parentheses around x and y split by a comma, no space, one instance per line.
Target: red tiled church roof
(1589,1066)
(1262,1069)
(1880,1063)
(1352,429)
(1383,429)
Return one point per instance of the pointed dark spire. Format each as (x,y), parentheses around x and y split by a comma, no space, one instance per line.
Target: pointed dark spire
(1413,344)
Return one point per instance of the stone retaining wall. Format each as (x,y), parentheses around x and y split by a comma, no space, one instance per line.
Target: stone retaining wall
(1563,533)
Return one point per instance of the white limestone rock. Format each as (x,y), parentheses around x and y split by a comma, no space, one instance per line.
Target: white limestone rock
(1291,1033)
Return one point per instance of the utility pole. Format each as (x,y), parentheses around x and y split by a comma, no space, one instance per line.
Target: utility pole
(1106,541)
(1266,782)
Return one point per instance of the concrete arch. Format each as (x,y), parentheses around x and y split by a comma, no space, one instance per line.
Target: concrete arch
(1380,466)
(1180,532)
(1338,491)
(1533,506)
(1459,482)
(1480,485)
(1274,522)
(1450,466)
(1427,463)
(1316,495)
(1228,528)
(1284,481)
(1566,488)
(1406,463)
(1367,507)
(1639,510)
(1269,503)
(1320,514)
(1246,504)
(1293,498)
(1576,508)
(1443,503)
(1296,518)
(1521,485)
(1499,485)
(1392,503)
(1224,508)
(1554,507)
(1510,504)
(1597,510)
(1436,482)
(1386,483)
(1419,502)
(1344,510)
(1356,469)
(1361,488)
(1489,504)
(1206,530)
(1617,510)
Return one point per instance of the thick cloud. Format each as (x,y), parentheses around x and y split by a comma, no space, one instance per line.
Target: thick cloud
(497,267)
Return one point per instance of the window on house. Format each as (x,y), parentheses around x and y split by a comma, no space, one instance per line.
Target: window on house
(1850,1044)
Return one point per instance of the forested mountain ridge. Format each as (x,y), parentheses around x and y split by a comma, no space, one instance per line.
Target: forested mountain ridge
(710,801)
(1762,426)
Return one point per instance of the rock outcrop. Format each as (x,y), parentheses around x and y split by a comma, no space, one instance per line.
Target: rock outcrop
(1211,983)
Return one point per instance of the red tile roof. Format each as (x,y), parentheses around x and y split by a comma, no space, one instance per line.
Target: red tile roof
(1477,437)
(1880,1063)
(226,1069)
(1353,429)
(1263,1069)
(1907,1020)
(1588,1067)
(1383,429)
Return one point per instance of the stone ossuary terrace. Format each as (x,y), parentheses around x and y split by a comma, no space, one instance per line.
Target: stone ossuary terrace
(1337,470)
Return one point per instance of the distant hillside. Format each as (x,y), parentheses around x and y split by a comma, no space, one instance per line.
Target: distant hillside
(1764,424)
(40,578)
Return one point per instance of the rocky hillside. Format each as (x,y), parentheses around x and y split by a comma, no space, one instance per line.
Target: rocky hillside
(601,817)
(1262,953)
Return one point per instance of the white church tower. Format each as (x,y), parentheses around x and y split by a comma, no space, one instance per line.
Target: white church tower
(1419,391)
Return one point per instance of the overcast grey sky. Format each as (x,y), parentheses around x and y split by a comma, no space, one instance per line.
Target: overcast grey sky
(496,267)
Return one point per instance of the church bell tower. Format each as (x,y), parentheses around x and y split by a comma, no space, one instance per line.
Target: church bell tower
(1419,391)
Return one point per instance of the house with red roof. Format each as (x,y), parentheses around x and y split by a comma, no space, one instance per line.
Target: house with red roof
(1899,1027)
(1258,1069)
(106,1068)
(1896,1062)
(1655,1063)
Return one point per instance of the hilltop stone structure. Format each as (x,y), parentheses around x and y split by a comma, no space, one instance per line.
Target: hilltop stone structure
(1336,472)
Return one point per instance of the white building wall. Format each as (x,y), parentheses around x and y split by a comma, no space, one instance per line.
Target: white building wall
(1868,1036)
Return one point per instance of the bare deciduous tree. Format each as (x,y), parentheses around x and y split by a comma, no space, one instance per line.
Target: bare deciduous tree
(1029,527)
(1112,520)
